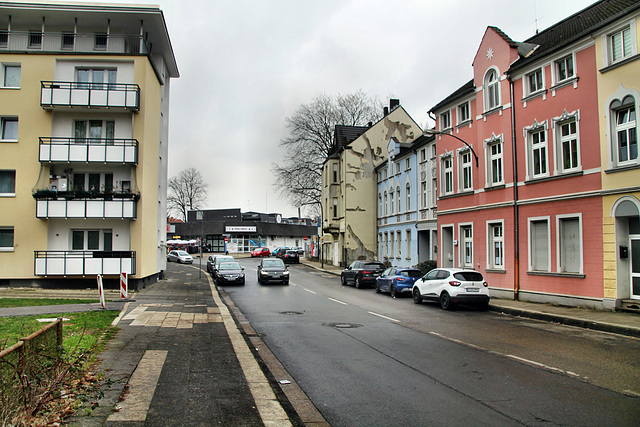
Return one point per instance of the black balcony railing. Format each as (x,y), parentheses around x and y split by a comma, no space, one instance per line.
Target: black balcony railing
(103,150)
(88,94)
(84,263)
(81,195)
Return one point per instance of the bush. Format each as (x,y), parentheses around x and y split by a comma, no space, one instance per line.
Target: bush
(427,266)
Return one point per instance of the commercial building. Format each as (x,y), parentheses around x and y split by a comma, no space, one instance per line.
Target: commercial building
(84,142)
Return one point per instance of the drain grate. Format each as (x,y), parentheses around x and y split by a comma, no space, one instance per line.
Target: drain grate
(343,325)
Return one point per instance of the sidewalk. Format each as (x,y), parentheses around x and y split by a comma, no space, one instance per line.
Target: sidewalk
(609,321)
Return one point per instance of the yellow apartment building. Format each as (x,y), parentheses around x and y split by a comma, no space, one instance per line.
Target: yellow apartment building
(83,142)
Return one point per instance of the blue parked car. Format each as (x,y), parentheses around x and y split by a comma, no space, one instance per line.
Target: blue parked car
(397,280)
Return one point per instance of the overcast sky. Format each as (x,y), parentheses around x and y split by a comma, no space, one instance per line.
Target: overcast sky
(246,65)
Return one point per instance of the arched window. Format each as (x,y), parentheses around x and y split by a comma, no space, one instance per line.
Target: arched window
(491,90)
(386,204)
(391,202)
(398,199)
(625,135)
(408,197)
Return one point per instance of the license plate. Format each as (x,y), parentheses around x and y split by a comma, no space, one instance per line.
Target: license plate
(473,289)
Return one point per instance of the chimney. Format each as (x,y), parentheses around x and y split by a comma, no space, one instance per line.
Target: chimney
(393,104)
(385,111)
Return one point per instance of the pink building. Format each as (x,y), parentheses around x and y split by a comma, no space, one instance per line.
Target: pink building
(534,229)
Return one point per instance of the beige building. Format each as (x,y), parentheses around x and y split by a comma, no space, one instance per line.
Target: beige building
(83,142)
(349,184)
(618,65)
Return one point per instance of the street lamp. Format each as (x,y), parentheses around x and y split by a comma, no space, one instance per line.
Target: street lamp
(200,216)
(430,132)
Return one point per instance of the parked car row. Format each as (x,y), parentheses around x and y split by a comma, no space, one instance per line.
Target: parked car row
(448,286)
(225,270)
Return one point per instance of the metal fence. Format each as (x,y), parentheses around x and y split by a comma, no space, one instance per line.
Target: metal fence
(28,367)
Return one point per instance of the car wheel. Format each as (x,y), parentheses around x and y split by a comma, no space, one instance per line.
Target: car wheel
(417,298)
(343,280)
(358,283)
(445,301)
(377,288)
(393,291)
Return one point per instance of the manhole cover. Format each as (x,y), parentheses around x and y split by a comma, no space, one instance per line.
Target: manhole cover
(344,325)
(291,313)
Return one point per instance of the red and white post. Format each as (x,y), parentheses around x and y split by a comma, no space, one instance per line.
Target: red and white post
(123,285)
(101,291)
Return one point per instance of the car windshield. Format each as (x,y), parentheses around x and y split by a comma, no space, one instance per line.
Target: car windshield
(374,265)
(468,276)
(181,253)
(230,266)
(411,273)
(223,259)
(273,263)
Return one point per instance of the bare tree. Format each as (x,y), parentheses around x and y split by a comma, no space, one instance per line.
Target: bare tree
(187,191)
(310,141)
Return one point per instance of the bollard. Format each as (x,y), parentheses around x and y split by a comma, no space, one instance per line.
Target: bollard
(101,291)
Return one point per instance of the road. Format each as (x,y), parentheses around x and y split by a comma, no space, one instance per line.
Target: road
(368,359)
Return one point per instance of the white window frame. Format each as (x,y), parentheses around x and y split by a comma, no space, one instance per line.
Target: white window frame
(334,173)
(560,244)
(407,164)
(446,163)
(465,171)
(607,42)
(494,158)
(407,197)
(4,75)
(392,241)
(386,203)
(398,244)
(466,243)
(12,247)
(407,234)
(627,102)
(335,208)
(392,202)
(380,208)
(626,44)
(532,243)
(559,140)
(491,241)
(536,146)
(9,173)
(491,89)
(398,200)
(445,120)
(535,77)
(464,113)
(561,63)
(3,121)
(423,191)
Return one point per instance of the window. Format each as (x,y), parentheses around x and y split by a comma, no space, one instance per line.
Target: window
(391,242)
(408,243)
(407,208)
(495,176)
(539,245)
(535,81)
(11,76)
(447,175)
(496,246)
(85,240)
(100,41)
(465,172)
(335,173)
(569,145)
(380,211)
(625,130)
(466,236)
(621,44)
(68,40)
(8,182)
(95,130)
(397,166)
(564,69)
(386,204)
(96,77)
(464,114)
(9,128)
(434,192)
(537,153)
(569,244)
(491,90)
(445,120)
(399,244)
(335,207)
(423,192)
(391,202)
(4,38)
(423,155)
(407,164)
(398,200)
(6,239)
(35,40)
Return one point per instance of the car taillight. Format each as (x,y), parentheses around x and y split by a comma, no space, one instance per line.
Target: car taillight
(485,284)
(454,283)
(366,272)
(400,279)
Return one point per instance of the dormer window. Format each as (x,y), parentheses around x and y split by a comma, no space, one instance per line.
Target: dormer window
(491,90)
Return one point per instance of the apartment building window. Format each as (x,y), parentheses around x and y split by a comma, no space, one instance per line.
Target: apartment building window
(335,173)
(399,244)
(68,41)
(94,130)
(11,75)
(466,244)
(445,120)
(407,164)
(494,150)
(423,192)
(569,160)
(621,44)
(423,155)
(447,175)
(569,244)
(625,134)
(386,244)
(380,212)
(7,182)
(4,38)
(539,244)
(496,246)
(537,152)
(397,166)
(464,114)
(85,240)
(35,40)
(491,90)
(535,81)
(9,128)
(564,69)
(398,196)
(6,239)
(408,198)
(335,207)
(465,171)
(392,240)
(95,76)
(408,243)
(100,40)
(392,202)
(434,192)
(386,204)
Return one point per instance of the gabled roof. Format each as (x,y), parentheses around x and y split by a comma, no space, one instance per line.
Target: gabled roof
(575,27)
(345,135)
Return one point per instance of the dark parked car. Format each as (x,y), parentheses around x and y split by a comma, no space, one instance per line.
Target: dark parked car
(230,273)
(362,272)
(273,270)
(397,280)
(214,260)
(291,256)
(279,252)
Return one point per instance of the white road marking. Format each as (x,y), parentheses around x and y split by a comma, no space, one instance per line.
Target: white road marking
(310,291)
(338,301)
(383,316)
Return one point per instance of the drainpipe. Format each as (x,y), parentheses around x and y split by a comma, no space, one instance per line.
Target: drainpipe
(516,215)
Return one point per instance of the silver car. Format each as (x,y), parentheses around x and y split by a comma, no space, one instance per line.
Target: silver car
(181,257)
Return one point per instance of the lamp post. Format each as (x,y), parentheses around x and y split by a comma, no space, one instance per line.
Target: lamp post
(200,216)
(430,132)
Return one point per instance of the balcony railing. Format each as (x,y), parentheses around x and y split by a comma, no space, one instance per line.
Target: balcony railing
(88,150)
(81,204)
(83,263)
(59,42)
(54,95)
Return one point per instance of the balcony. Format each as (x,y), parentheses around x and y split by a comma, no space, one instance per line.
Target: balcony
(69,95)
(83,263)
(81,204)
(87,150)
(66,42)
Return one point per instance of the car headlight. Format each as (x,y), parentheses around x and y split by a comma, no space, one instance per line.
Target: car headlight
(264,273)
(286,272)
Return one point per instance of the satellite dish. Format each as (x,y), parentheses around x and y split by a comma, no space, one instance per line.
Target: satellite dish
(278,218)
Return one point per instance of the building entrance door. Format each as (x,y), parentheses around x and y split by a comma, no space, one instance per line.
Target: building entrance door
(635,266)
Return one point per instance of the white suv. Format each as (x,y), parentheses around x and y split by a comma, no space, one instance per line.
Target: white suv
(451,286)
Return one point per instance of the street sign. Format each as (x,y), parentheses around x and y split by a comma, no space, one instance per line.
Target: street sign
(305,237)
(226,239)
